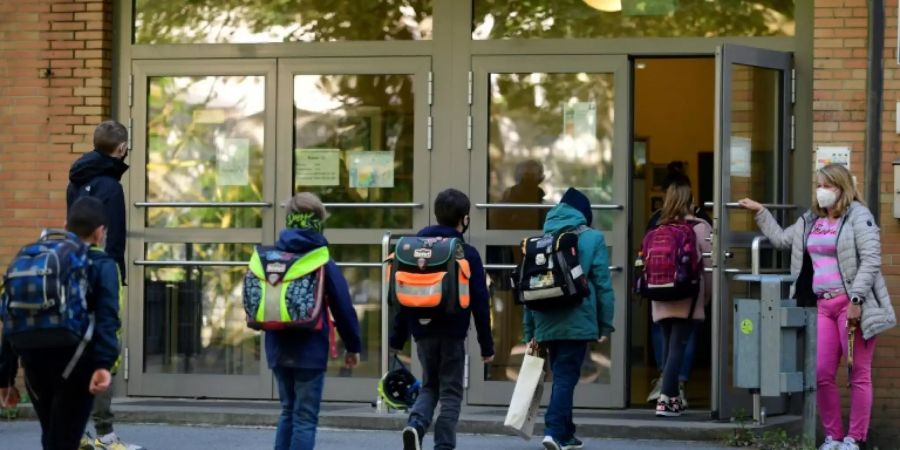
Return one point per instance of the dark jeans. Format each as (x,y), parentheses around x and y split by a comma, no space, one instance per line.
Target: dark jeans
(300,391)
(102,414)
(566,358)
(676,334)
(62,406)
(443,363)
(659,352)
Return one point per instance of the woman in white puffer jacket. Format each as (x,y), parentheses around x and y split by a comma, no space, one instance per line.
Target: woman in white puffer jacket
(836,259)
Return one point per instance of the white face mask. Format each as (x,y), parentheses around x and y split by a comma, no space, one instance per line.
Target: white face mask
(826,197)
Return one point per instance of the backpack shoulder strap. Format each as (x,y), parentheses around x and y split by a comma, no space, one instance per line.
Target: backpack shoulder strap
(581,229)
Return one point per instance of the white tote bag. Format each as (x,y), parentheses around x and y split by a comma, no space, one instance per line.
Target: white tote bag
(526,398)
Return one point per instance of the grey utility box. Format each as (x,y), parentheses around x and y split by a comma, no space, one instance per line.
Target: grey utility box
(767,333)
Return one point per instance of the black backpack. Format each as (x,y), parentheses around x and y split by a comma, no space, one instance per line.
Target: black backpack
(550,276)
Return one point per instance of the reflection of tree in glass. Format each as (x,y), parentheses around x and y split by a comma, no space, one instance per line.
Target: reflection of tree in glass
(361,113)
(531,119)
(235,21)
(190,120)
(505,19)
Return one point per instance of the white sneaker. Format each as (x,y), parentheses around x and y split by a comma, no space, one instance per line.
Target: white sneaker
(550,443)
(411,439)
(849,444)
(830,444)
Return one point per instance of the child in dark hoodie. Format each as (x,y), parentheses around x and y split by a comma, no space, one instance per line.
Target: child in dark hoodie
(63,405)
(441,341)
(298,358)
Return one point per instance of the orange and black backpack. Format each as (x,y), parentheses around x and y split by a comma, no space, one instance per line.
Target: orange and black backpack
(429,276)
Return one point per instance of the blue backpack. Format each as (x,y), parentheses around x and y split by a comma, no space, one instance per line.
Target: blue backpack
(44,302)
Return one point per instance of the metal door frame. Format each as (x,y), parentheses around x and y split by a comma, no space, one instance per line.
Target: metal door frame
(723,397)
(499,392)
(177,384)
(340,388)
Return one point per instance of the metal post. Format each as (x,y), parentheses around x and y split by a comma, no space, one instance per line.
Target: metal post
(809,375)
(380,407)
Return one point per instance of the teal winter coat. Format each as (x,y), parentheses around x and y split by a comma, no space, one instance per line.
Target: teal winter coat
(594,317)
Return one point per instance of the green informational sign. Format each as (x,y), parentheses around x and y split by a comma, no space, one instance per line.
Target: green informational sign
(648,7)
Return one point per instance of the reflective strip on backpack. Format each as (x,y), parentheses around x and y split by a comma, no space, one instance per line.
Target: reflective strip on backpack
(416,290)
(465,273)
(308,264)
(539,294)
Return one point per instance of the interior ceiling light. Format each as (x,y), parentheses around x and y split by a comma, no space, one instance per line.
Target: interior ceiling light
(605,5)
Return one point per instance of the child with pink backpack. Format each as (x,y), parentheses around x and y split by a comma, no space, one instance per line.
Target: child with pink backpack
(674,279)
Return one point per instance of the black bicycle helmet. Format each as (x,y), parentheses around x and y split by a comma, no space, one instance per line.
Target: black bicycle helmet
(399,388)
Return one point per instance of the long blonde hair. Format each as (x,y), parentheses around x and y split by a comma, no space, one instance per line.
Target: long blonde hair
(678,203)
(838,176)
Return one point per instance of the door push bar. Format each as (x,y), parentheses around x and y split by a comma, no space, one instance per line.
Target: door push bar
(604,207)
(736,205)
(203,204)
(513,266)
(345,205)
(194,263)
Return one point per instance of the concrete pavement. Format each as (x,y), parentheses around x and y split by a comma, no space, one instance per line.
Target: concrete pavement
(25,435)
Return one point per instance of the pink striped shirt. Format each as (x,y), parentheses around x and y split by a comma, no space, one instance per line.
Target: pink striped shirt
(822,247)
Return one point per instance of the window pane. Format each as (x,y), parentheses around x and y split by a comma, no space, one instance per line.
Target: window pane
(507,328)
(354,143)
(517,19)
(205,139)
(194,320)
(365,291)
(548,132)
(755,138)
(259,21)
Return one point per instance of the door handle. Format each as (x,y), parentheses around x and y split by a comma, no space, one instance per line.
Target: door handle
(727,255)
(339,205)
(203,204)
(513,266)
(602,206)
(736,205)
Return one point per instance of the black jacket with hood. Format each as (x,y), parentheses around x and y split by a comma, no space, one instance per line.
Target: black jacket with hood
(98,175)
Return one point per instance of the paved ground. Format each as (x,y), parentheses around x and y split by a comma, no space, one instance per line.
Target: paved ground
(24,435)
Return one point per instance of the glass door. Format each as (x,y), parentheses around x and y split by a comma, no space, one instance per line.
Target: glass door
(356,133)
(203,155)
(540,125)
(752,149)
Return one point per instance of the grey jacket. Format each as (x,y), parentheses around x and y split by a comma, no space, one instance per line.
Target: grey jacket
(859,262)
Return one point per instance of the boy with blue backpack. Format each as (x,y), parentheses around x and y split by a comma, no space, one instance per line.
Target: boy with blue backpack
(440,284)
(60,315)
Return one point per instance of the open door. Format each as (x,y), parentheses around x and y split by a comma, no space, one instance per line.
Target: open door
(752,149)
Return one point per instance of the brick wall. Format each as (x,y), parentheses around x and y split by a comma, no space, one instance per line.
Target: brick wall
(839,108)
(55,81)
(55,86)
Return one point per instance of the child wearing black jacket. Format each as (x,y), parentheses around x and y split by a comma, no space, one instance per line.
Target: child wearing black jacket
(63,406)
(441,341)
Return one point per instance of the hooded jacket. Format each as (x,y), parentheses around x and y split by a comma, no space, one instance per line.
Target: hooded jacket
(859,262)
(456,326)
(594,316)
(303,349)
(98,175)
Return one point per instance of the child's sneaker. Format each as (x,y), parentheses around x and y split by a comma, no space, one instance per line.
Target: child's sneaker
(572,444)
(668,407)
(411,440)
(112,442)
(87,442)
(849,444)
(551,444)
(830,444)
(682,394)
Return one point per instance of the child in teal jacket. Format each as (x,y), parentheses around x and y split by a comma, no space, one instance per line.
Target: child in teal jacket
(566,333)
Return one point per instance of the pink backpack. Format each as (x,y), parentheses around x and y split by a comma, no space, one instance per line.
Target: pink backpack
(672,266)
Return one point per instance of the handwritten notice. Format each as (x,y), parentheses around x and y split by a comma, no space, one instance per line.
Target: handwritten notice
(740,156)
(828,154)
(317,167)
(233,162)
(371,169)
